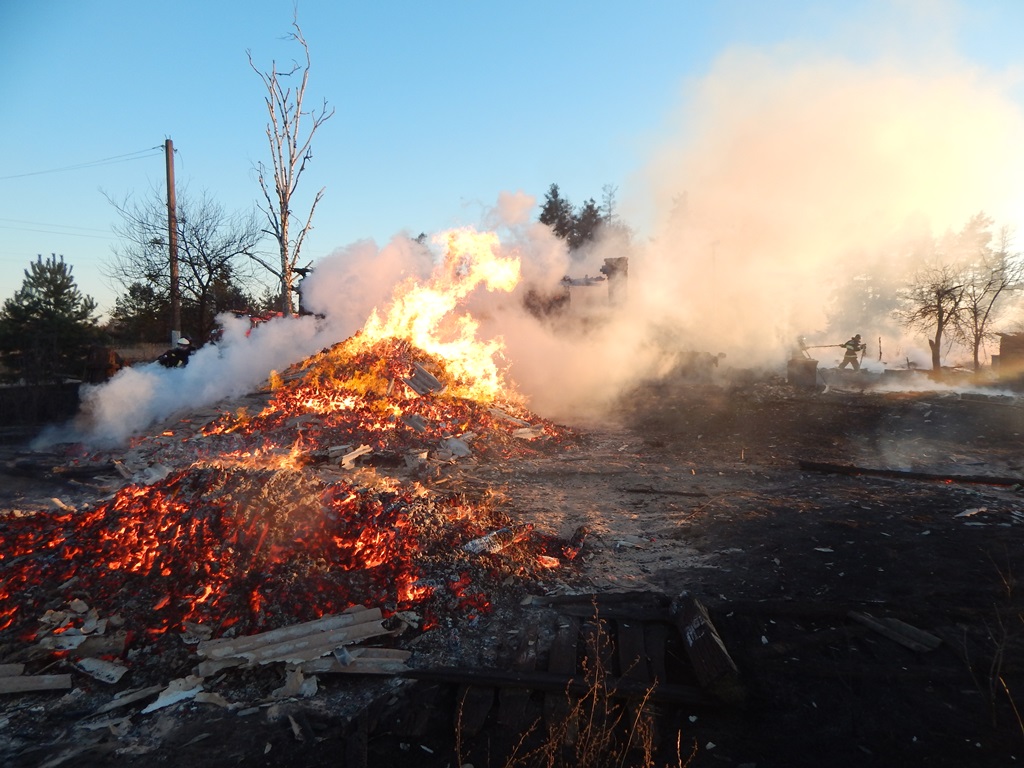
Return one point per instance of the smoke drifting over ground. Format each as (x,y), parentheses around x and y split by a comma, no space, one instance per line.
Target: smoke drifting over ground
(783,181)
(800,178)
(141,395)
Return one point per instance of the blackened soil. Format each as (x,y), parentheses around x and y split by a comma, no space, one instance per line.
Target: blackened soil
(730,489)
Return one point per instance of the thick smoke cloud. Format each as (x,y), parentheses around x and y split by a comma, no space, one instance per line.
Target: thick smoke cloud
(781,181)
(798,179)
(141,395)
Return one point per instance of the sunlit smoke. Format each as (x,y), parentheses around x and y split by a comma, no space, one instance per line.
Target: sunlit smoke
(144,394)
(784,184)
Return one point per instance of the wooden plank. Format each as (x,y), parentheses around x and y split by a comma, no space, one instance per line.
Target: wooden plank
(226,647)
(129,697)
(656,633)
(715,669)
(356,742)
(898,631)
(513,703)
(562,661)
(26,683)
(849,469)
(551,682)
(473,703)
(11,670)
(362,661)
(311,647)
(632,654)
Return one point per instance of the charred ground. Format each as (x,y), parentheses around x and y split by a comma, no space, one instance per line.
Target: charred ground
(702,489)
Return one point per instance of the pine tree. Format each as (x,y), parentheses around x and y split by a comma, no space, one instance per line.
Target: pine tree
(588,221)
(557,213)
(46,328)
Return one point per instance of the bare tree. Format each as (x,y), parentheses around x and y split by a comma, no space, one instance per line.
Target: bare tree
(989,278)
(290,152)
(212,246)
(933,303)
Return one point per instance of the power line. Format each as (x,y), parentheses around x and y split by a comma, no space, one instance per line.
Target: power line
(57,232)
(46,224)
(141,154)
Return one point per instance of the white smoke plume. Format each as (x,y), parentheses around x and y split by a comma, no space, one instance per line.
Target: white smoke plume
(782,179)
(141,395)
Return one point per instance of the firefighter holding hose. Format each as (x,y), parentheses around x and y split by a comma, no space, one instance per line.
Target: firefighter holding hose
(852,348)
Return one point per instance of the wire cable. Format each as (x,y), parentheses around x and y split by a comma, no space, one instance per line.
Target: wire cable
(141,154)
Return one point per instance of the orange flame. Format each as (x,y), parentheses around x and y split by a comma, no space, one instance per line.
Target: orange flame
(425,314)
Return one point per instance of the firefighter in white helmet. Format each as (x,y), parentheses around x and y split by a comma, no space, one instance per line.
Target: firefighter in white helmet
(177,357)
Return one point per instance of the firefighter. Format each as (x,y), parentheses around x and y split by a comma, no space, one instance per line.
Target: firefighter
(853,347)
(177,357)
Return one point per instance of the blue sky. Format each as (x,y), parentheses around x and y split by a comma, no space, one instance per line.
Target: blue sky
(440,106)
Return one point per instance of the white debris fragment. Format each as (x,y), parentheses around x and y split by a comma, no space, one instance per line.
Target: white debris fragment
(971,512)
(528,433)
(457,447)
(348,461)
(182,689)
(153,474)
(102,670)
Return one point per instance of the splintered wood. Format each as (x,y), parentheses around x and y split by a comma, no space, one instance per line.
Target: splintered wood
(12,680)
(302,643)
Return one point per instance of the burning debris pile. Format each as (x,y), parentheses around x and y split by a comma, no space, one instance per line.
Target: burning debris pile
(337,494)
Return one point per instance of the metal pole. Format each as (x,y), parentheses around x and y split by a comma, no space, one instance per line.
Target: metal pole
(172,243)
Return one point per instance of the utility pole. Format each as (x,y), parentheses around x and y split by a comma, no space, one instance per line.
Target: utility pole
(172,241)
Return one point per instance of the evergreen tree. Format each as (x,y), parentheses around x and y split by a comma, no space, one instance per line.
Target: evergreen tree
(141,315)
(587,223)
(557,213)
(46,328)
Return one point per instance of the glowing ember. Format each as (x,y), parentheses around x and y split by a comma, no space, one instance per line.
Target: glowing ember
(251,536)
(226,547)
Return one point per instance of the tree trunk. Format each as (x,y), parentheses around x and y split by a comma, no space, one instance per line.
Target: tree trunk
(936,351)
(286,268)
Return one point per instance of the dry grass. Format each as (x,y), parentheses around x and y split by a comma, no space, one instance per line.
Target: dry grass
(594,730)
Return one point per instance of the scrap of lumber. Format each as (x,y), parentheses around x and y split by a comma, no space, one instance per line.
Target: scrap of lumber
(849,469)
(898,631)
(614,687)
(129,697)
(10,670)
(422,381)
(225,647)
(662,491)
(715,669)
(558,710)
(26,683)
(513,703)
(361,661)
(299,642)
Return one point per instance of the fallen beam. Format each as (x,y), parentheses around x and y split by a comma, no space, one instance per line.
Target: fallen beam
(663,491)
(849,469)
(613,687)
(715,669)
(26,683)
(361,661)
(899,631)
(227,647)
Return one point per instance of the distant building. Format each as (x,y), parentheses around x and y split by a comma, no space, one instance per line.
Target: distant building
(1008,365)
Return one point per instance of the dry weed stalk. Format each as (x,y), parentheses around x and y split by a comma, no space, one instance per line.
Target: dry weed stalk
(594,731)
